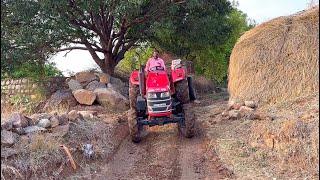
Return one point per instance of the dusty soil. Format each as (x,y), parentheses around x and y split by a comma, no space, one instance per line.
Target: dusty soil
(163,154)
(220,150)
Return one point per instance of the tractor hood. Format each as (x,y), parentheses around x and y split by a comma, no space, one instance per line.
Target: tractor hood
(157,82)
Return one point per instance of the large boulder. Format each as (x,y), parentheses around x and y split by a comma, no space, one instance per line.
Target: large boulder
(8,138)
(110,98)
(74,85)
(104,78)
(85,77)
(61,98)
(84,96)
(95,85)
(119,86)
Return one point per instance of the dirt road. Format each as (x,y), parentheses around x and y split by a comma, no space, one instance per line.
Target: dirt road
(165,154)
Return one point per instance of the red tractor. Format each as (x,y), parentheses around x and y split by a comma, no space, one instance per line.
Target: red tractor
(159,98)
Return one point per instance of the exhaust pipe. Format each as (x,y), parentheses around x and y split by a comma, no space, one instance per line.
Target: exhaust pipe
(141,80)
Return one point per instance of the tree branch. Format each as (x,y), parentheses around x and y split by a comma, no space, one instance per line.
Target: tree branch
(70,48)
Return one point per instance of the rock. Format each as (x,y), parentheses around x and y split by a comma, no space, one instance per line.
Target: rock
(95,85)
(119,86)
(32,129)
(85,77)
(73,115)
(104,78)
(234,105)
(225,113)
(8,138)
(244,109)
(234,114)
(197,101)
(88,115)
(246,112)
(54,121)
(61,98)
(8,125)
(8,152)
(230,104)
(61,130)
(237,106)
(19,130)
(63,119)
(45,123)
(111,98)
(88,151)
(18,120)
(74,85)
(35,118)
(84,96)
(250,104)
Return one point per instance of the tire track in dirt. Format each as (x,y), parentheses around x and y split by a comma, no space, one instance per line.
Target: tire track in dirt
(164,154)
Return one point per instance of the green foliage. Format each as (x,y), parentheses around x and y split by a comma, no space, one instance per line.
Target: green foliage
(25,42)
(207,39)
(203,31)
(33,71)
(134,58)
(32,29)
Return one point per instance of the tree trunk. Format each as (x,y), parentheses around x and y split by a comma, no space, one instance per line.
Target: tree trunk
(109,64)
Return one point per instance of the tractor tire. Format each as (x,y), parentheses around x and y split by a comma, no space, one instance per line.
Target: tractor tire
(192,93)
(134,129)
(133,94)
(187,129)
(182,91)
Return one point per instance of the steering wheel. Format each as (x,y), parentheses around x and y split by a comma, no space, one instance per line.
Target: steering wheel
(157,68)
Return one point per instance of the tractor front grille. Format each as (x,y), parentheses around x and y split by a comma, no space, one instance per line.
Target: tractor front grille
(159,105)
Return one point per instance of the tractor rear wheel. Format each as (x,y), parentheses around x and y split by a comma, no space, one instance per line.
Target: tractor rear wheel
(187,127)
(182,91)
(134,128)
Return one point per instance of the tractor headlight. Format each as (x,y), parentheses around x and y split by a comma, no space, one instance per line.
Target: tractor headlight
(165,94)
(152,95)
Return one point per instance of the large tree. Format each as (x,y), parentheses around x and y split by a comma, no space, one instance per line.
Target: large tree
(112,27)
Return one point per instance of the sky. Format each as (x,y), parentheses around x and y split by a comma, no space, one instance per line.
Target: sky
(258,10)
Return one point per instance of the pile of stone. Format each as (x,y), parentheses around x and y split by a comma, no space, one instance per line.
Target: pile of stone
(240,109)
(88,87)
(18,125)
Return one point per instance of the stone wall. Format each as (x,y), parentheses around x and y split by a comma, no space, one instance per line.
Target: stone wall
(28,87)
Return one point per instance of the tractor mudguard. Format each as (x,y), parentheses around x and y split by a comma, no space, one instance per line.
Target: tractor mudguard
(134,77)
(178,74)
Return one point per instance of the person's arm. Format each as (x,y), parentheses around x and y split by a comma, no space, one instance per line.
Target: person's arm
(146,69)
(163,65)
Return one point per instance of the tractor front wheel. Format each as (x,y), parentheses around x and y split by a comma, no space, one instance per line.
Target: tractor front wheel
(134,128)
(187,128)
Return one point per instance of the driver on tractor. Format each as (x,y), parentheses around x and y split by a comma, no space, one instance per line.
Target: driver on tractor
(155,63)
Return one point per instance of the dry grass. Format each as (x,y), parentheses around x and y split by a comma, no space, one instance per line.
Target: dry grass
(284,148)
(293,138)
(36,157)
(278,60)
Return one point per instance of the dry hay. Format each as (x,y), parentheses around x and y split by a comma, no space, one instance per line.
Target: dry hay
(277,60)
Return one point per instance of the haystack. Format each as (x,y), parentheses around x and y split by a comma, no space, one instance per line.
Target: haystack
(277,60)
